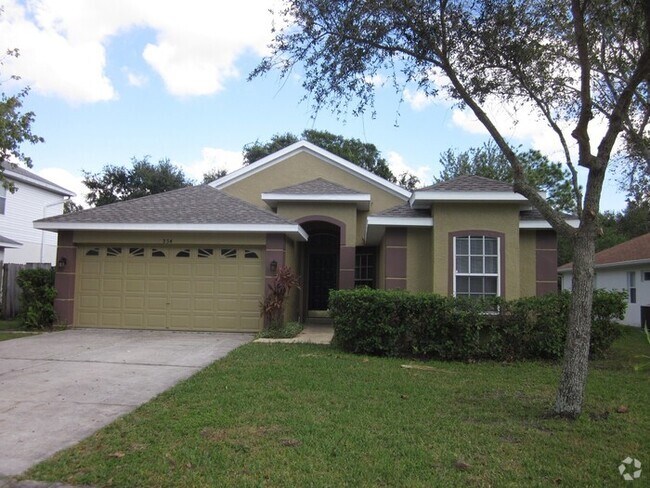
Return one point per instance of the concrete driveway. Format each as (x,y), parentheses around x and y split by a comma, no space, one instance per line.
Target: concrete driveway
(57,388)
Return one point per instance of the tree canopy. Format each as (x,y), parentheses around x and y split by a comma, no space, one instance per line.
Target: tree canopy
(488,161)
(15,127)
(363,154)
(116,183)
(569,64)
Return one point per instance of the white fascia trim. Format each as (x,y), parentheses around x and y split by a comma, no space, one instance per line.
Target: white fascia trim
(40,184)
(427,197)
(543,224)
(401,221)
(256,228)
(362,200)
(288,151)
(620,264)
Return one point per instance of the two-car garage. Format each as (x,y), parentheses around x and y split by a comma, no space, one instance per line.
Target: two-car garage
(205,288)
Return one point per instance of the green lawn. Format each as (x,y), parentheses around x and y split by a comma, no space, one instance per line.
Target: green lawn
(12,329)
(304,415)
(10,325)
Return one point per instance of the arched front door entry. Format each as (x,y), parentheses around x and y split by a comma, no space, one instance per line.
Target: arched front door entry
(323,249)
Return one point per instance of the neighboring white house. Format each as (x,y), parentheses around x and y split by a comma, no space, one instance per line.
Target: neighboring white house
(623,267)
(34,199)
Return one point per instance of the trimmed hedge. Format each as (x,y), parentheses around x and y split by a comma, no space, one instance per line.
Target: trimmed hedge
(401,324)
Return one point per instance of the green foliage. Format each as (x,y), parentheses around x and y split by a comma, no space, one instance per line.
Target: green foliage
(272,307)
(117,183)
(285,331)
(214,174)
(69,206)
(361,153)
(15,127)
(37,298)
(488,161)
(397,323)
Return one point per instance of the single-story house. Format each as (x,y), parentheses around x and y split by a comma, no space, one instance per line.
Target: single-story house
(622,267)
(198,258)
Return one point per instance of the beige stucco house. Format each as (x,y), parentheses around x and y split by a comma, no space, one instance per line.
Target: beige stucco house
(198,258)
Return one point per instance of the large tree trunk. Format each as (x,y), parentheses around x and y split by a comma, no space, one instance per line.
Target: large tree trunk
(576,353)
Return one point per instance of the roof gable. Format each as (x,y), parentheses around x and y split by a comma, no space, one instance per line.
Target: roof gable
(318,186)
(321,154)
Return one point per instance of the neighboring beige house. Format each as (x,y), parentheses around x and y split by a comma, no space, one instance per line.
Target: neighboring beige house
(198,258)
(622,267)
(34,198)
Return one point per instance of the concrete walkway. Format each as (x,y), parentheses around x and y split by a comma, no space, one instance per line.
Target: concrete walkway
(311,334)
(58,388)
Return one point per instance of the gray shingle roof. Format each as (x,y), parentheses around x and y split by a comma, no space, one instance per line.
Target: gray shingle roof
(319,186)
(191,205)
(22,172)
(470,184)
(404,211)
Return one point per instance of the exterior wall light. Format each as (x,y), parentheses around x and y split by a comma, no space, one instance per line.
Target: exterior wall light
(62,263)
(274,266)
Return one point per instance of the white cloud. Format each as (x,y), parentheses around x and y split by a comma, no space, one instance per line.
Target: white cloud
(213,158)
(522,124)
(66,180)
(196,46)
(399,166)
(417,100)
(135,79)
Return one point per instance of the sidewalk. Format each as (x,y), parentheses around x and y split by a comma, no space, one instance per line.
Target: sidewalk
(311,334)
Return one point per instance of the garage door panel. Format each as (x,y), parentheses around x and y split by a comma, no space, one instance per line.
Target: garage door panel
(136,269)
(203,269)
(158,268)
(175,288)
(91,268)
(89,301)
(134,303)
(113,268)
(111,285)
(135,320)
(181,286)
(204,287)
(88,319)
(90,284)
(111,319)
(157,286)
(203,305)
(134,286)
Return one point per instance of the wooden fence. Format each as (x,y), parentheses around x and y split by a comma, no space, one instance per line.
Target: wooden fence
(9,289)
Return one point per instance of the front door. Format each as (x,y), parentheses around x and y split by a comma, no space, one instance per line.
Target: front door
(323,270)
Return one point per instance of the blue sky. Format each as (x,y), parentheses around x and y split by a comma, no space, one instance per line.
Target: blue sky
(113,79)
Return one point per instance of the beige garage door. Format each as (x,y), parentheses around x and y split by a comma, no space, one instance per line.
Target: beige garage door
(192,288)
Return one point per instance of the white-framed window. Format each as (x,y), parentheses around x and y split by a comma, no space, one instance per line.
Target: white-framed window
(631,286)
(645,276)
(476,266)
(3,199)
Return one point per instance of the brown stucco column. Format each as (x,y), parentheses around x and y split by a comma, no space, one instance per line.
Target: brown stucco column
(346,267)
(276,249)
(546,262)
(65,279)
(395,258)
